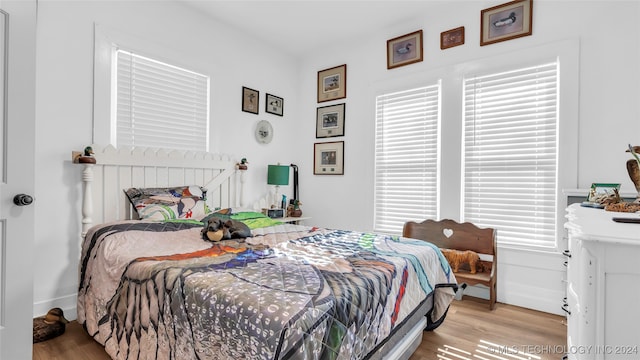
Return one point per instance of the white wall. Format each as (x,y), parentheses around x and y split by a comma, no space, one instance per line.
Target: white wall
(65,52)
(606,106)
(607,32)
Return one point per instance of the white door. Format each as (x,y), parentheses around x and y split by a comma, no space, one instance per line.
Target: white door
(17,132)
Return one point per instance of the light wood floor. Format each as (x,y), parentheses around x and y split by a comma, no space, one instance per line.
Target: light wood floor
(469,329)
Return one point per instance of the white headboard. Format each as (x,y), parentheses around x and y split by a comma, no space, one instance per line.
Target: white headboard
(115,170)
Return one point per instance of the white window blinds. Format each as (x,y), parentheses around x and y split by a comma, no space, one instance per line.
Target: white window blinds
(406,157)
(160,105)
(510,154)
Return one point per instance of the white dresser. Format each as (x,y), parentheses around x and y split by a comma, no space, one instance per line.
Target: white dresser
(603,285)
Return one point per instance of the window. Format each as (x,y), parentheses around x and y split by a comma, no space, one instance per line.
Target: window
(510,158)
(160,105)
(406,157)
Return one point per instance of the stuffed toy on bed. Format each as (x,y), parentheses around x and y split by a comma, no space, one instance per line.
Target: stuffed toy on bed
(217,229)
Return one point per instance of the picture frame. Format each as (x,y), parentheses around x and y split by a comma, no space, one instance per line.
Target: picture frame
(328,158)
(506,21)
(600,191)
(250,100)
(330,121)
(404,50)
(451,38)
(332,83)
(274,105)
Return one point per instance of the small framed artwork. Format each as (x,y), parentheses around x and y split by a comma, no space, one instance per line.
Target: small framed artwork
(600,192)
(451,38)
(332,83)
(330,121)
(250,100)
(404,50)
(274,105)
(328,158)
(505,22)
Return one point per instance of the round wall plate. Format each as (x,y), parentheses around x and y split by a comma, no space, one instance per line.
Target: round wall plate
(264,132)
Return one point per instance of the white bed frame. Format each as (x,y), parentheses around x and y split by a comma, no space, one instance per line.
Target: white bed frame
(115,170)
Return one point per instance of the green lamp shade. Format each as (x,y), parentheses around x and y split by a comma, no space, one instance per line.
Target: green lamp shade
(278,175)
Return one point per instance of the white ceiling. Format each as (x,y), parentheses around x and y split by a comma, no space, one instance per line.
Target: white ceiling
(298,26)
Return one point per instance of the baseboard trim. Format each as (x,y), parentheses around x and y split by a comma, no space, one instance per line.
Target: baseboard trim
(67,303)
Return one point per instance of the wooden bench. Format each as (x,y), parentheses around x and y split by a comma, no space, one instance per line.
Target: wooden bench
(450,234)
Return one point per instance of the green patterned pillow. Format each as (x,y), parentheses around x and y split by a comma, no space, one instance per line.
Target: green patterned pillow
(182,202)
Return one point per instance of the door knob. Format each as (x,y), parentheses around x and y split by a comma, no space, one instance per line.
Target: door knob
(22,200)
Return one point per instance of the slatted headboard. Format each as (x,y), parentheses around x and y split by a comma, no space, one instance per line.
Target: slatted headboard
(116,170)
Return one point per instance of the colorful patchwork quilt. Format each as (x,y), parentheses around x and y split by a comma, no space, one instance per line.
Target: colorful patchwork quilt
(157,290)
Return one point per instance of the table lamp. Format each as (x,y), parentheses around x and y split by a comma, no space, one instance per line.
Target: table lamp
(278,175)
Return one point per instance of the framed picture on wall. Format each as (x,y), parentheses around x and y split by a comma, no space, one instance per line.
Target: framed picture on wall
(274,105)
(404,50)
(250,100)
(451,38)
(330,121)
(332,83)
(505,22)
(328,158)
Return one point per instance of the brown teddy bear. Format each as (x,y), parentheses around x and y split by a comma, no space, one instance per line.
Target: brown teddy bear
(459,257)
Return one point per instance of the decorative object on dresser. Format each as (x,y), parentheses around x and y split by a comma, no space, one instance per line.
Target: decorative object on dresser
(332,83)
(627,207)
(448,234)
(604,193)
(633,168)
(506,21)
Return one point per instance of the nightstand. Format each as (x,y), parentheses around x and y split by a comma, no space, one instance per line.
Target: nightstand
(292,220)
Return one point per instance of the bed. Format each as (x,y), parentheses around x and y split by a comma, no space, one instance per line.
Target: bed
(154,288)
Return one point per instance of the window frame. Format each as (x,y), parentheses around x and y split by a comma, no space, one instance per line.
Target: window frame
(566,53)
(501,140)
(180,119)
(106,41)
(429,89)
(452,75)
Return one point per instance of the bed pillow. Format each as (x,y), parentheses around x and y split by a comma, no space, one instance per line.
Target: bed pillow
(182,202)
